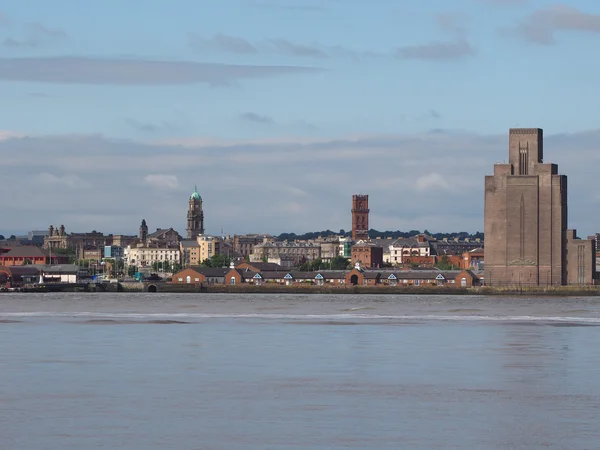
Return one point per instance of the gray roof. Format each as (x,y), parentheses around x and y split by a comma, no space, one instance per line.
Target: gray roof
(60,268)
(189,244)
(26,251)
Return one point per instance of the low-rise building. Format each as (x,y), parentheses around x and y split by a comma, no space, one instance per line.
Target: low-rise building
(28,255)
(200,275)
(209,246)
(16,276)
(367,254)
(146,255)
(298,252)
(190,252)
(581,260)
(403,248)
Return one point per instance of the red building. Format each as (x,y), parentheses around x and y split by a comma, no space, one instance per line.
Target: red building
(368,255)
(26,254)
(360,217)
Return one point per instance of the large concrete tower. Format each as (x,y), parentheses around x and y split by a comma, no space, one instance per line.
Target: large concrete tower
(525,217)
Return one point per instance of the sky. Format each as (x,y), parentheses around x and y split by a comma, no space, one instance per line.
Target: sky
(280,110)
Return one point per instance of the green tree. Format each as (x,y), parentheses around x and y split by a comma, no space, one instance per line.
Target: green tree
(445,264)
(27,262)
(217,261)
(131,270)
(339,263)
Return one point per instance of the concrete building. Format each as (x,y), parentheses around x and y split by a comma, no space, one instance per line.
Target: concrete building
(581,259)
(360,217)
(208,246)
(296,252)
(244,244)
(526,217)
(195,216)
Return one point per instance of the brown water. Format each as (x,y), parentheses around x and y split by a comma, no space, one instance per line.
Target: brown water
(298,372)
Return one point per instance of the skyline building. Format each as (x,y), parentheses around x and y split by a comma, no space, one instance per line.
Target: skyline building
(195,216)
(525,221)
(360,217)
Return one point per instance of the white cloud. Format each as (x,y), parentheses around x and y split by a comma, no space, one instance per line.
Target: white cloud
(70,180)
(432,180)
(162,181)
(8,135)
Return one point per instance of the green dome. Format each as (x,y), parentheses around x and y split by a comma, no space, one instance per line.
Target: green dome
(195,195)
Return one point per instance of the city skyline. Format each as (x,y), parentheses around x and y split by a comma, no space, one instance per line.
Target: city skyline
(278,125)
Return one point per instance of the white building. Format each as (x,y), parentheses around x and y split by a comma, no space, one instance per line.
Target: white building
(146,255)
(403,248)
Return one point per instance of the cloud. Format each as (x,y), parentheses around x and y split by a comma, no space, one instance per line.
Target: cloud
(505,2)
(256,118)
(162,181)
(437,51)
(225,43)
(38,29)
(541,26)
(132,72)
(289,48)
(238,45)
(36,35)
(148,127)
(275,186)
(9,135)
(298,7)
(458,47)
(70,181)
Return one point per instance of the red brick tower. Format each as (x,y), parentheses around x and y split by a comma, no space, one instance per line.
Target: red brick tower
(360,217)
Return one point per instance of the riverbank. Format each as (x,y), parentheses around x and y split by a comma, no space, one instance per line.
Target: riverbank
(564,291)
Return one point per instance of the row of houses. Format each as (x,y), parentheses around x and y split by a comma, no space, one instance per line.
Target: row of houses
(266,273)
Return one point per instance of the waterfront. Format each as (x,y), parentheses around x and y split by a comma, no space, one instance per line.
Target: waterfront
(202,371)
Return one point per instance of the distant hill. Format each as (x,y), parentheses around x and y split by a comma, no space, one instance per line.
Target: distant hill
(374,234)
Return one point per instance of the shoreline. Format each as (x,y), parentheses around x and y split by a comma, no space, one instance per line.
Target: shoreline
(565,291)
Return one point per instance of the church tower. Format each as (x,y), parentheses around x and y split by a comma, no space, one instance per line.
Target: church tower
(143,231)
(195,216)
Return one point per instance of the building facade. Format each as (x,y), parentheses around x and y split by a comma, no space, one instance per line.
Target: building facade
(526,219)
(296,252)
(360,217)
(208,246)
(195,216)
(581,260)
(146,255)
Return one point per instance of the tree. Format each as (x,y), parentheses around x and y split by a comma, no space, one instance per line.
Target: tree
(2,238)
(217,261)
(445,264)
(12,237)
(339,263)
(27,262)
(131,270)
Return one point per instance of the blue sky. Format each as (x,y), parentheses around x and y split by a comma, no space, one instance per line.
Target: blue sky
(261,78)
